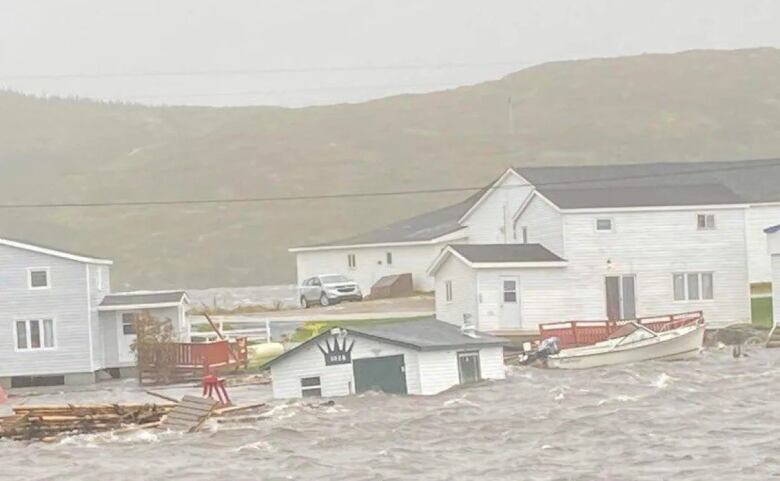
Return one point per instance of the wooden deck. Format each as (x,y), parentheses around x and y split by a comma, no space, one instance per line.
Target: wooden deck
(191,360)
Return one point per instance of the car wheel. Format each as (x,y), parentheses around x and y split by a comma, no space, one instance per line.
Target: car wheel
(324,301)
(304,303)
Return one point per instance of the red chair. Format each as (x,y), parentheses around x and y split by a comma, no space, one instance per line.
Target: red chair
(213,384)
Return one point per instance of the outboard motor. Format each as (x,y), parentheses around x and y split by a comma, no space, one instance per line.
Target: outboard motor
(548,347)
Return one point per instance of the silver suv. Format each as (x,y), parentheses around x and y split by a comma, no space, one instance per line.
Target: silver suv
(329,289)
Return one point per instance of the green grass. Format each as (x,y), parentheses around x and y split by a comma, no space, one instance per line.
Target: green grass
(311,329)
(761,311)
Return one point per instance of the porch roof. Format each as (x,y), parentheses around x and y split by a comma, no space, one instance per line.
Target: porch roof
(142,300)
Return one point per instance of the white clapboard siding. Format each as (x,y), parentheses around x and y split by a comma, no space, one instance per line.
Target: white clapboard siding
(464,297)
(66,301)
(543,295)
(338,380)
(776,287)
(439,369)
(544,225)
(371,264)
(491,219)
(759,217)
(653,245)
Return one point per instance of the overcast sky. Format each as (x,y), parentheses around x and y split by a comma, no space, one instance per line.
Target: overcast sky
(300,52)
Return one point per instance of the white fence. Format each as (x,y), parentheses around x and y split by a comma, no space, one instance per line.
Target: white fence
(255,330)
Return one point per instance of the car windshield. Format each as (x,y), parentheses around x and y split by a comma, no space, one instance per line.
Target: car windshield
(333,279)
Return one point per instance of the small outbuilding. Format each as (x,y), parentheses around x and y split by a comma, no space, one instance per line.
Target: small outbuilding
(773,245)
(410,357)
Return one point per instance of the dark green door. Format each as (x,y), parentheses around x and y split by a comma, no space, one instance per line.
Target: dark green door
(387,374)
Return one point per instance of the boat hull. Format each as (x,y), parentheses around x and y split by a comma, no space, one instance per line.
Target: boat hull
(671,346)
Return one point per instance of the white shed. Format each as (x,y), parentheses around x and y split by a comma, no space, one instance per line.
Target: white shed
(773,245)
(411,357)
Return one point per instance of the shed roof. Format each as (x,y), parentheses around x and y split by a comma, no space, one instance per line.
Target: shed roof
(420,335)
(142,298)
(506,253)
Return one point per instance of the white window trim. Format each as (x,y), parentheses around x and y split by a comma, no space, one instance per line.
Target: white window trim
(714,222)
(30,270)
(99,278)
(604,231)
(516,291)
(310,388)
(43,336)
(448,292)
(701,286)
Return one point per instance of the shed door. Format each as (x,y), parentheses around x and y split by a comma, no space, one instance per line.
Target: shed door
(468,367)
(386,374)
(126,336)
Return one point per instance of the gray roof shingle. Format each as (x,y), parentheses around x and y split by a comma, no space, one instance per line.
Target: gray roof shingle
(426,335)
(619,185)
(678,183)
(506,253)
(772,229)
(142,298)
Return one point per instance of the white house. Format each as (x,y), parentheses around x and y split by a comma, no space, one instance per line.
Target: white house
(746,189)
(773,244)
(412,357)
(54,321)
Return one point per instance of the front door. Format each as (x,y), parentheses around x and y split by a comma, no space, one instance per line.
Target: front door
(510,303)
(621,297)
(468,367)
(386,374)
(125,336)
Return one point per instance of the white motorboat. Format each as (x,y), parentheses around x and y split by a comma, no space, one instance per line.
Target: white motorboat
(633,342)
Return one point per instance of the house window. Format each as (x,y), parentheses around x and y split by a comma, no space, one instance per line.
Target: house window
(604,225)
(448,291)
(705,221)
(310,387)
(510,292)
(389,258)
(351,261)
(128,323)
(693,286)
(38,278)
(34,334)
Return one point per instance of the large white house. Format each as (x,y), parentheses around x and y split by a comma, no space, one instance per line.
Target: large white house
(59,321)
(773,245)
(629,240)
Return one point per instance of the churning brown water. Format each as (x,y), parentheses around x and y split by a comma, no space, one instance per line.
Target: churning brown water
(715,418)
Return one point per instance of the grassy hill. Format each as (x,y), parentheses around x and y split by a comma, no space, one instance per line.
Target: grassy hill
(698,105)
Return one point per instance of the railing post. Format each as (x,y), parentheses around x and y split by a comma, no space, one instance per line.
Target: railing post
(574,332)
(267,331)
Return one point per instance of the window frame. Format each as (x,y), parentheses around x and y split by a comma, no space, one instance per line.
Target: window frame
(600,219)
(42,334)
(706,226)
(448,291)
(515,291)
(312,387)
(389,258)
(700,275)
(30,271)
(352,261)
(122,315)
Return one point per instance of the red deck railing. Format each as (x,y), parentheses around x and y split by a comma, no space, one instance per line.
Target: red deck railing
(584,333)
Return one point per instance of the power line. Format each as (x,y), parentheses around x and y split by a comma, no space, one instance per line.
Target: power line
(369,194)
(266,71)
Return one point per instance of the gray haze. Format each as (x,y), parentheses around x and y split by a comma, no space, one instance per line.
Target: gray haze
(315,52)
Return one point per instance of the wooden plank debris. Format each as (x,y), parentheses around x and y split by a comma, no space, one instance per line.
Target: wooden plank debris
(190,414)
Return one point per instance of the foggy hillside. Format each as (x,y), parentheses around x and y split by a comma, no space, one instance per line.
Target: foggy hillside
(700,105)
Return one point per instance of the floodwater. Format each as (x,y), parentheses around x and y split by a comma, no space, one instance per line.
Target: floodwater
(714,418)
